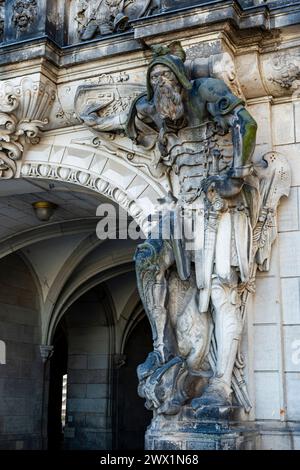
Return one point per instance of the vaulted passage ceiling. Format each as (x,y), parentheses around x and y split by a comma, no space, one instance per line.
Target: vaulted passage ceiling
(64,254)
(17,196)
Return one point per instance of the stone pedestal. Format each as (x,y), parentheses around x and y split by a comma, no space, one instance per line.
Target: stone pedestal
(214,430)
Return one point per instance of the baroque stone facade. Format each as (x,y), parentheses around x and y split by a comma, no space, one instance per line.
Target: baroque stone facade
(91,123)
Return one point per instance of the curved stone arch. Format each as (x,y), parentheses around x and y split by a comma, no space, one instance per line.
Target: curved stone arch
(87,180)
(80,289)
(97,169)
(59,157)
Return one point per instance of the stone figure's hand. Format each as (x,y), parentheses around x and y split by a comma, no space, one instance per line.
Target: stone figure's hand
(240,172)
(225,186)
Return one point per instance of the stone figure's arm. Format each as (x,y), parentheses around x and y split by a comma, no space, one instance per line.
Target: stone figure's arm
(140,126)
(244,129)
(229,112)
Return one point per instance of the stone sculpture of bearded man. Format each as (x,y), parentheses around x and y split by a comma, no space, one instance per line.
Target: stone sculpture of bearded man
(195,294)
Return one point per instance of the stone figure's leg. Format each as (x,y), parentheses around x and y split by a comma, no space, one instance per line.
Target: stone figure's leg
(228,328)
(153,259)
(162,375)
(193,333)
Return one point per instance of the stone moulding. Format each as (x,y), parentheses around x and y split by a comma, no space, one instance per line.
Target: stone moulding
(88,180)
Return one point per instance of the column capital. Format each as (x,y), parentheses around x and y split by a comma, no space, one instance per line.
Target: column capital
(46,352)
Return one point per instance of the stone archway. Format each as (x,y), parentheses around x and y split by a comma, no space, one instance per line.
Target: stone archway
(86,162)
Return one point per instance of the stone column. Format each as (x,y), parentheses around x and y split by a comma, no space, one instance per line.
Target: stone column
(46,354)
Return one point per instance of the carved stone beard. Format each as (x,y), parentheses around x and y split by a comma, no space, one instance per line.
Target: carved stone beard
(168,101)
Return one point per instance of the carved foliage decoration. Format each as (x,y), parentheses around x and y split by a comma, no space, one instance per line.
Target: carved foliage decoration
(285,70)
(24,14)
(14,135)
(23,113)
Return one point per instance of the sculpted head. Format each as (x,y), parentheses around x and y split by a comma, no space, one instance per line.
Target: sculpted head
(167,92)
(161,75)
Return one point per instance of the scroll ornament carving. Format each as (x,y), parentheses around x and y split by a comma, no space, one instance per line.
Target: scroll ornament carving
(286,69)
(14,135)
(24,14)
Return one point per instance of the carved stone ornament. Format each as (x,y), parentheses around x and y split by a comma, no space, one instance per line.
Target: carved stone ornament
(24,14)
(23,113)
(111,99)
(102,17)
(286,69)
(197,267)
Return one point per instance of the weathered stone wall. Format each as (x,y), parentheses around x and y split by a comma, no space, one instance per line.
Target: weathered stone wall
(21,378)
(274,318)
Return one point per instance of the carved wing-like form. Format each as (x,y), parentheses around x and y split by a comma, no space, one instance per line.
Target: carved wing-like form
(274,175)
(108,101)
(275,182)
